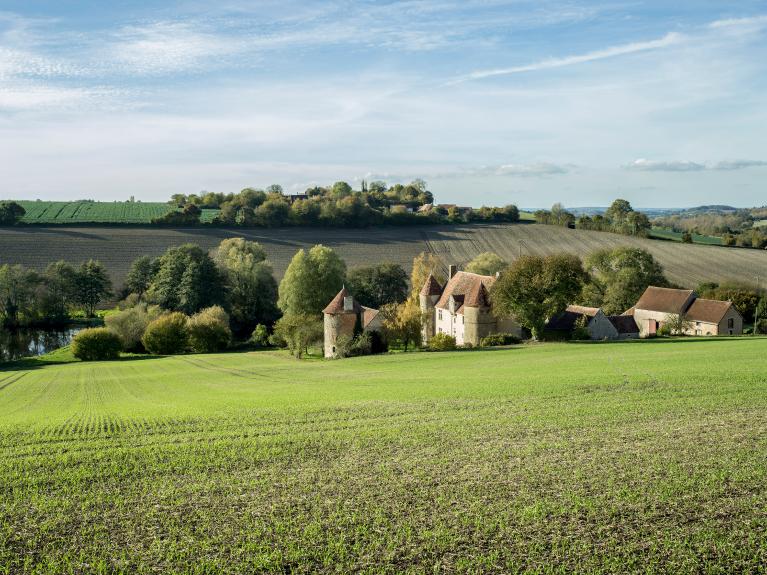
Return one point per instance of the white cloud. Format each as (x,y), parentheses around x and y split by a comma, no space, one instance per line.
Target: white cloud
(687,166)
(738,164)
(654,166)
(611,52)
(167,47)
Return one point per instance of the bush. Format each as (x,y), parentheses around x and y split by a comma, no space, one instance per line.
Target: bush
(209,330)
(761,326)
(167,335)
(359,345)
(663,330)
(260,336)
(130,325)
(442,342)
(496,339)
(96,344)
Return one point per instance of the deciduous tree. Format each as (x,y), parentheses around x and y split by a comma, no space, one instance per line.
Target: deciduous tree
(535,288)
(311,281)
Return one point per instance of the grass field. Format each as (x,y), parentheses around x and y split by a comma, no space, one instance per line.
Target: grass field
(666,234)
(86,212)
(603,458)
(116,247)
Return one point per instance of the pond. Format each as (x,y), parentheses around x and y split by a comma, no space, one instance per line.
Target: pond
(18,343)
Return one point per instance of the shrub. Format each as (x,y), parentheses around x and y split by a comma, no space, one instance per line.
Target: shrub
(581,330)
(761,326)
(356,346)
(130,325)
(209,330)
(496,339)
(442,342)
(260,336)
(167,335)
(96,344)
(665,329)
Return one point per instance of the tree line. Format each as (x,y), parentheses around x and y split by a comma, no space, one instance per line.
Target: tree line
(332,206)
(619,218)
(190,299)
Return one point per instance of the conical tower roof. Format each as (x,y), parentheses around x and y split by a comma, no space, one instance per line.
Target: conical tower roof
(431,286)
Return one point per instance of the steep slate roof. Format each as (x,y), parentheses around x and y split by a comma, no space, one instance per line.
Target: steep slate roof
(431,286)
(624,323)
(336,306)
(461,285)
(664,300)
(565,321)
(708,310)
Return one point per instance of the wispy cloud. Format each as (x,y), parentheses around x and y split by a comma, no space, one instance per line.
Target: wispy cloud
(687,166)
(669,39)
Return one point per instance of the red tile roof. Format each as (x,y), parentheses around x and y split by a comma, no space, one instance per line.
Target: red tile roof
(462,284)
(431,286)
(665,300)
(336,306)
(708,310)
(565,321)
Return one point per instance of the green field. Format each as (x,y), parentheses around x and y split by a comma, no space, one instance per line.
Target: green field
(666,234)
(87,212)
(603,458)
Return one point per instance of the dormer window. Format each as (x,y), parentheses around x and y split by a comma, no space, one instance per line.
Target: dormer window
(348,303)
(452,304)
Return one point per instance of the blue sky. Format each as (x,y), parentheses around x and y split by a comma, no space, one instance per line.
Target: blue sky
(490,101)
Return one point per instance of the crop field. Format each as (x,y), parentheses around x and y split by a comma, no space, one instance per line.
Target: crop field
(667,234)
(643,457)
(86,212)
(116,247)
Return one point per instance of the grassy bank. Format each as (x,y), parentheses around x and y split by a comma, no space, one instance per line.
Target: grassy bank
(645,456)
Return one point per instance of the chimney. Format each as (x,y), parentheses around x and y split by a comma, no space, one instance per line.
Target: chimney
(452,270)
(348,303)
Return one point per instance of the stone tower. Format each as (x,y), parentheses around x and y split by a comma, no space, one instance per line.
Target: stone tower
(429,296)
(340,316)
(478,318)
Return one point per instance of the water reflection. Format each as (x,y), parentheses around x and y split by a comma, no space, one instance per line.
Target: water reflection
(20,343)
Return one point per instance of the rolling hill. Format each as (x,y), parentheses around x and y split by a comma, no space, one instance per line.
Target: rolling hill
(116,247)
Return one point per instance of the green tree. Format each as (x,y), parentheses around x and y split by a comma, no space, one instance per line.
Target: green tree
(273,213)
(187,280)
(140,275)
(17,291)
(486,264)
(618,211)
(619,277)
(167,335)
(209,330)
(11,213)
(299,332)
(341,190)
(374,286)
(92,285)
(403,323)
(536,288)
(59,291)
(311,281)
(251,287)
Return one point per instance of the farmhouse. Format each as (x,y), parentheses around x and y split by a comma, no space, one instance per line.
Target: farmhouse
(343,316)
(462,308)
(598,325)
(704,316)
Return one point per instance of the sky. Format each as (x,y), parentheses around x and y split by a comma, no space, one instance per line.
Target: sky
(490,101)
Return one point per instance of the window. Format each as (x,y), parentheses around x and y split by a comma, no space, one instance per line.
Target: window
(463,320)
(731,324)
(439,314)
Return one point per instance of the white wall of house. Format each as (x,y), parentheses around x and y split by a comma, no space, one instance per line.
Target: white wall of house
(451,324)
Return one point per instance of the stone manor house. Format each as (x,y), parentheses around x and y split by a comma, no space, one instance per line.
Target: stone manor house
(462,309)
